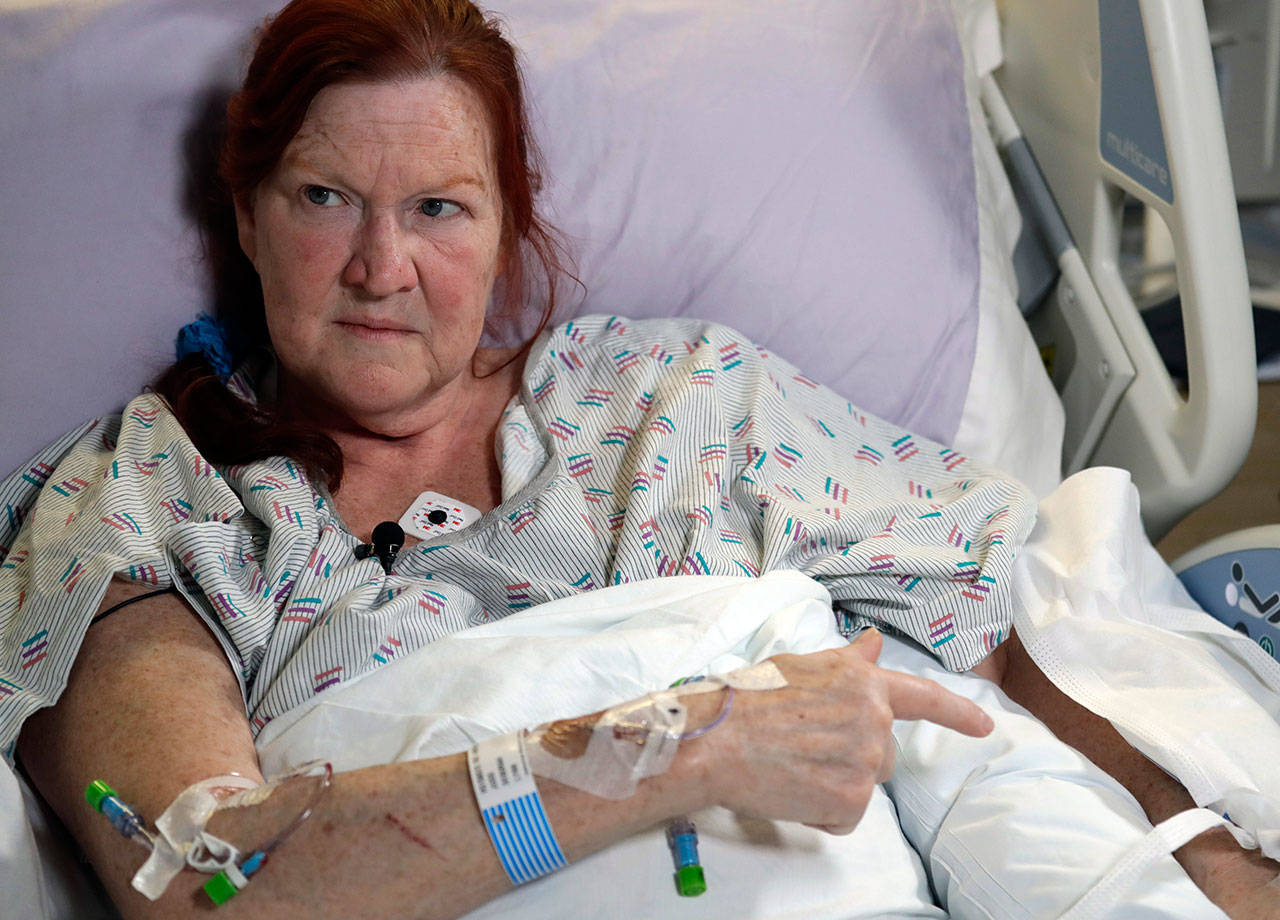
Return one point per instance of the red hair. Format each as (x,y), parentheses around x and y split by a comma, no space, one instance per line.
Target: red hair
(309,45)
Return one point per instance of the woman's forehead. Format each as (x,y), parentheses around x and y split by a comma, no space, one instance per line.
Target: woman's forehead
(435,123)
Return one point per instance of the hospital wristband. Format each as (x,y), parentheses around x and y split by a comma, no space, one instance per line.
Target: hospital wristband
(512,809)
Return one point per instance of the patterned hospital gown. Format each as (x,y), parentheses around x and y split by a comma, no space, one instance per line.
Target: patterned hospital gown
(634,450)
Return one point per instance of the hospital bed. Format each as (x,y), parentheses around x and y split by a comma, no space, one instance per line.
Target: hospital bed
(877,192)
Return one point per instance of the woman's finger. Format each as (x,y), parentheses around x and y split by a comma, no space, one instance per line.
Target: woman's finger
(866,645)
(838,830)
(913,697)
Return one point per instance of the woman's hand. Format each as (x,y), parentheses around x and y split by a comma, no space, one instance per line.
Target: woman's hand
(813,751)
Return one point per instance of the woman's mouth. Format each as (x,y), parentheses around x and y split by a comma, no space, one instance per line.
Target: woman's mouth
(375,330)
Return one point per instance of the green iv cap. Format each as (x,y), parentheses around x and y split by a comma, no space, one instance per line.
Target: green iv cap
(690,881)
(220,889)
(96,791)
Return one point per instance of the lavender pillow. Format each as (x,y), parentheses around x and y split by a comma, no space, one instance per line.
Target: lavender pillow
(800,170)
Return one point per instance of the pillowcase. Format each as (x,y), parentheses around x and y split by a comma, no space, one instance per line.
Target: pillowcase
(1012,416)
(817,174)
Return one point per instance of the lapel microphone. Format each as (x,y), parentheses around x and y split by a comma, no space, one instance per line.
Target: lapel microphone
(388,537)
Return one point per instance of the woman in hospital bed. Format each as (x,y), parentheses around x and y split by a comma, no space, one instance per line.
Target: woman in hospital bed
(383,179)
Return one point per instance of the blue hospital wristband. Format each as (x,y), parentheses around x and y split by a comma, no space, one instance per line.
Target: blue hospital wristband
(512,809)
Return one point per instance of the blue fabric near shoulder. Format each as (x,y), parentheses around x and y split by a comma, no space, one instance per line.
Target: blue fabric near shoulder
(206,336)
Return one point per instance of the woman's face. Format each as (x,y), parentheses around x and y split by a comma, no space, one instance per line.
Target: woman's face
(377,239)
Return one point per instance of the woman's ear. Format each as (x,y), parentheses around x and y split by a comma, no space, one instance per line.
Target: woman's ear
(246,229)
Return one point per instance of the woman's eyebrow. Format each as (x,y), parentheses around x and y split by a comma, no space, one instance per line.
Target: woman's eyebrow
(462,179)
(293,158)
(300,159)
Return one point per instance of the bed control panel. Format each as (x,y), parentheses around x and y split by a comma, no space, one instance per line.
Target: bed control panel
(1242,590)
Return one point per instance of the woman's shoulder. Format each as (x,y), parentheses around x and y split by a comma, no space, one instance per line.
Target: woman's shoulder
(604,351)
(108,499)
(116,464)
(665,338)
(21,488)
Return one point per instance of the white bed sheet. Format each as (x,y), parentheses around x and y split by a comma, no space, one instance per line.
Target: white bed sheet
(1108,622)
(592,651)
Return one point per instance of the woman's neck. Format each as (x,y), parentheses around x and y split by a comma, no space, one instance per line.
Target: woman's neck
(451,451)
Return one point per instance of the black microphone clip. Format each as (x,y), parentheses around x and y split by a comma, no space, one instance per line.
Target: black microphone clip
(388,538)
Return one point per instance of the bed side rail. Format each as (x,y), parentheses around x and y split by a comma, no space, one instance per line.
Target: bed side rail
(1115,97)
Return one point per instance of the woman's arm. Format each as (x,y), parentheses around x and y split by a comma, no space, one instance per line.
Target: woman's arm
(1234,878)
(151,707)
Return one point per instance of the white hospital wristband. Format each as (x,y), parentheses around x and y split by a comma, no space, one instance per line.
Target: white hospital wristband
(512,809)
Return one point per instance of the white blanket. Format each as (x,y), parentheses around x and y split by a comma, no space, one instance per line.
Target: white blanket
(591,651)
(1014,825)
(555,660)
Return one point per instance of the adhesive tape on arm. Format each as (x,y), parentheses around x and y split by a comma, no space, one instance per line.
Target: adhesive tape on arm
(182,832)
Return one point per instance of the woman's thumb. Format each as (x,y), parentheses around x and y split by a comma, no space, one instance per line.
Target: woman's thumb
(868,644)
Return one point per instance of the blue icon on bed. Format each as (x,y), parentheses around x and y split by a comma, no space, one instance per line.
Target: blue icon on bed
(1240,593)
(1241,590)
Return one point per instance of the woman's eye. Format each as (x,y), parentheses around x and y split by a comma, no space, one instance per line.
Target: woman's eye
(438,207)
(324,197)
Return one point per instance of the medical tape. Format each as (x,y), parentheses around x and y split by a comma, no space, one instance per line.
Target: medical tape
(512,809)
(609,755)
(182,837)
(762,676)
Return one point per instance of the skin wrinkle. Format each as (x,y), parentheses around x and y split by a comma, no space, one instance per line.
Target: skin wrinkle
(296,156)
(300,161)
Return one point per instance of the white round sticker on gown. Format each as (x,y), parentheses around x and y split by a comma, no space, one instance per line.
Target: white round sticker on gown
(433,514)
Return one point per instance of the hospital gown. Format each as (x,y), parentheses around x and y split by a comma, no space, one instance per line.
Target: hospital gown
(635,449)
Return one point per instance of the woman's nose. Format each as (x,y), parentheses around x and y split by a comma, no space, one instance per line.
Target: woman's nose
(381,263)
